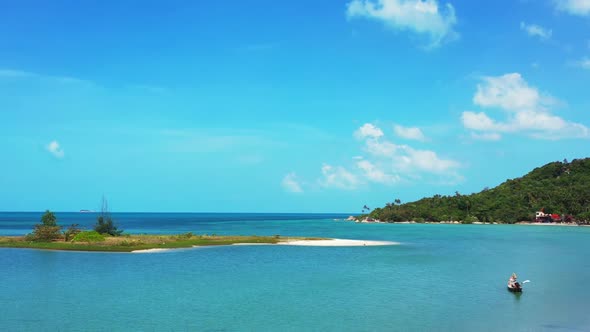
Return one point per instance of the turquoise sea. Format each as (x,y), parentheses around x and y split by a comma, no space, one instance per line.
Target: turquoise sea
(441,277)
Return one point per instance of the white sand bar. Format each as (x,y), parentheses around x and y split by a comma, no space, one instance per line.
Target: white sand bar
(310,243)
(145,251)
(337,243)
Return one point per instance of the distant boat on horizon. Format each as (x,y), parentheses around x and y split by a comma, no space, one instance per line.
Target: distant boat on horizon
(86,211)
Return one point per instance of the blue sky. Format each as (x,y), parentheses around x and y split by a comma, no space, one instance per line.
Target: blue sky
(274,106)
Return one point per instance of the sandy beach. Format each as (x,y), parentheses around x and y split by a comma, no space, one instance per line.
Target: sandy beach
(549,224)
(153,250)
(309,243)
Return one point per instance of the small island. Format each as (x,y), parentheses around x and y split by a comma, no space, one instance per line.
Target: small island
(107,237)
(137,242)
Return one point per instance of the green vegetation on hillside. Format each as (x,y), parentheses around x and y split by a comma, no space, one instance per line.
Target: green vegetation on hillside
(558,187)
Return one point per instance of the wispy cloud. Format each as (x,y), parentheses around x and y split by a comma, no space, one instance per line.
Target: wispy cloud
(423,17)
(583,63)
(526,109)
(573,7)
(291,184)
(338,177)
(411,133)
(375,174)
(20,74)
(15,73)
(535,30)
(55,149)
(200,141)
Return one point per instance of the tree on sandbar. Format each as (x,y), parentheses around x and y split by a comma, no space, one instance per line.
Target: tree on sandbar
(47,230)
(104,222)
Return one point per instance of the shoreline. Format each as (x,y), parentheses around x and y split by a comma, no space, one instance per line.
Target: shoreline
(299,243)
(296,243)
(473,223)
(337,243)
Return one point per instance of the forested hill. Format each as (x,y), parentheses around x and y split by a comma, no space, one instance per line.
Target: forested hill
(558,187)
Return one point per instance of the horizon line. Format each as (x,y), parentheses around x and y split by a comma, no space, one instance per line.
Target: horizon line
(91,212)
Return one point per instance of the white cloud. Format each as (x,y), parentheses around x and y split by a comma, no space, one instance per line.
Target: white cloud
(380,148)
(526,109)
(478,121)
(419,16)
(375,174)
(291,184)
(509,92)
(584,63)
(413,133)
(368,131)
(405,159)
(426,160)
(55,149)
(574,7)
(384,162)
(535,30)
(338,177)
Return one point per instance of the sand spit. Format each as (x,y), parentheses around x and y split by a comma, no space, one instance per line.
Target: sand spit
(337,243)
(153,250)
(310,243)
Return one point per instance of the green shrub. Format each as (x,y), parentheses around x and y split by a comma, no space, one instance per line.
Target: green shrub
(470,220)
(584,216)
(72,231)
(47,230)
(88,236)
(46,233)
(106,226)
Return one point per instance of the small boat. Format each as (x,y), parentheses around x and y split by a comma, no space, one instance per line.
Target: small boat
(513,285)
(515,288)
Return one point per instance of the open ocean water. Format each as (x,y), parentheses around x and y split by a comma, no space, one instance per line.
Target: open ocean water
(441,277)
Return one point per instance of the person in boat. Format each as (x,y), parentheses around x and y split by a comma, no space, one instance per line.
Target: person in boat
(512,282)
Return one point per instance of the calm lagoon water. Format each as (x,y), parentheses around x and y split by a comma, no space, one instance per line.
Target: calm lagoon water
(442,277)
